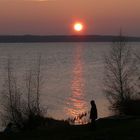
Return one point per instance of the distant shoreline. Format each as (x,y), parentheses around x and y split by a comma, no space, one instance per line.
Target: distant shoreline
(62,38)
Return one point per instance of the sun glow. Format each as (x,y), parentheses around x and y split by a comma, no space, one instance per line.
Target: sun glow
(78,26)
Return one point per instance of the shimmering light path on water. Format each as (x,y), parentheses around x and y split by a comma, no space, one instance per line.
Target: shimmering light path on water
(77,104)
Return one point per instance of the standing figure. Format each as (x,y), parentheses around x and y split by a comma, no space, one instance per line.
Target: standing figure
(93,114)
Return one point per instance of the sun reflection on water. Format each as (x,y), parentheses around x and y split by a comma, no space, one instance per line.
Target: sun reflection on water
(76,101)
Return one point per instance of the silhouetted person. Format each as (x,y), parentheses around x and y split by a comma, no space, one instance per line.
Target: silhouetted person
(93,114)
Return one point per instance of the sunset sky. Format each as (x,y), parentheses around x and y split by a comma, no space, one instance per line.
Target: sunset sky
(48,17)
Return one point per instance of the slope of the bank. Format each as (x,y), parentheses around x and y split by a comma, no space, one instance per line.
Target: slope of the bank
(107,129)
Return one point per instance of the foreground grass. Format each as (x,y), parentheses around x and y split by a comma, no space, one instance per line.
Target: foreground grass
(107,129)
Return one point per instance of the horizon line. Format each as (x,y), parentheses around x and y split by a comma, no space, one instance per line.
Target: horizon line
(68,35)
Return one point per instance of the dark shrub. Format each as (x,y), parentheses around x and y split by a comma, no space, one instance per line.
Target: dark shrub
(127,107)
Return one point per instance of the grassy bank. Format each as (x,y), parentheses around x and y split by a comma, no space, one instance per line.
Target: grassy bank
(107,129)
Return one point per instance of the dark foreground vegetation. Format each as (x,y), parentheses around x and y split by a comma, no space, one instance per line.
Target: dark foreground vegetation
(121,79)
(113,128)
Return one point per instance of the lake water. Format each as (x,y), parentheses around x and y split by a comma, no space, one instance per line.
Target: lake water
(72,74)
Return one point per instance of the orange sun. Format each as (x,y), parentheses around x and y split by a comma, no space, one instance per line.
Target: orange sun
(78,26)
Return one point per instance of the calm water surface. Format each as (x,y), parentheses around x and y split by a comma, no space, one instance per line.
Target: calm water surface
(72,74)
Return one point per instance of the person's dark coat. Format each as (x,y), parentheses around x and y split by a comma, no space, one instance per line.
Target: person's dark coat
(93,112)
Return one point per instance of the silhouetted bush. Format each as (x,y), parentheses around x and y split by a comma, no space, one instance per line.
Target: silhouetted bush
(120,73)
(33,122)
(22,107)
(79,119)
(129,107)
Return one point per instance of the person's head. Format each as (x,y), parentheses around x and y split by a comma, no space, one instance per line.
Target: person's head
(92,102)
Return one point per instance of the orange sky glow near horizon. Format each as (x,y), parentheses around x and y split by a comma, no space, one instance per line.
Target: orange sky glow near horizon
(48,17)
